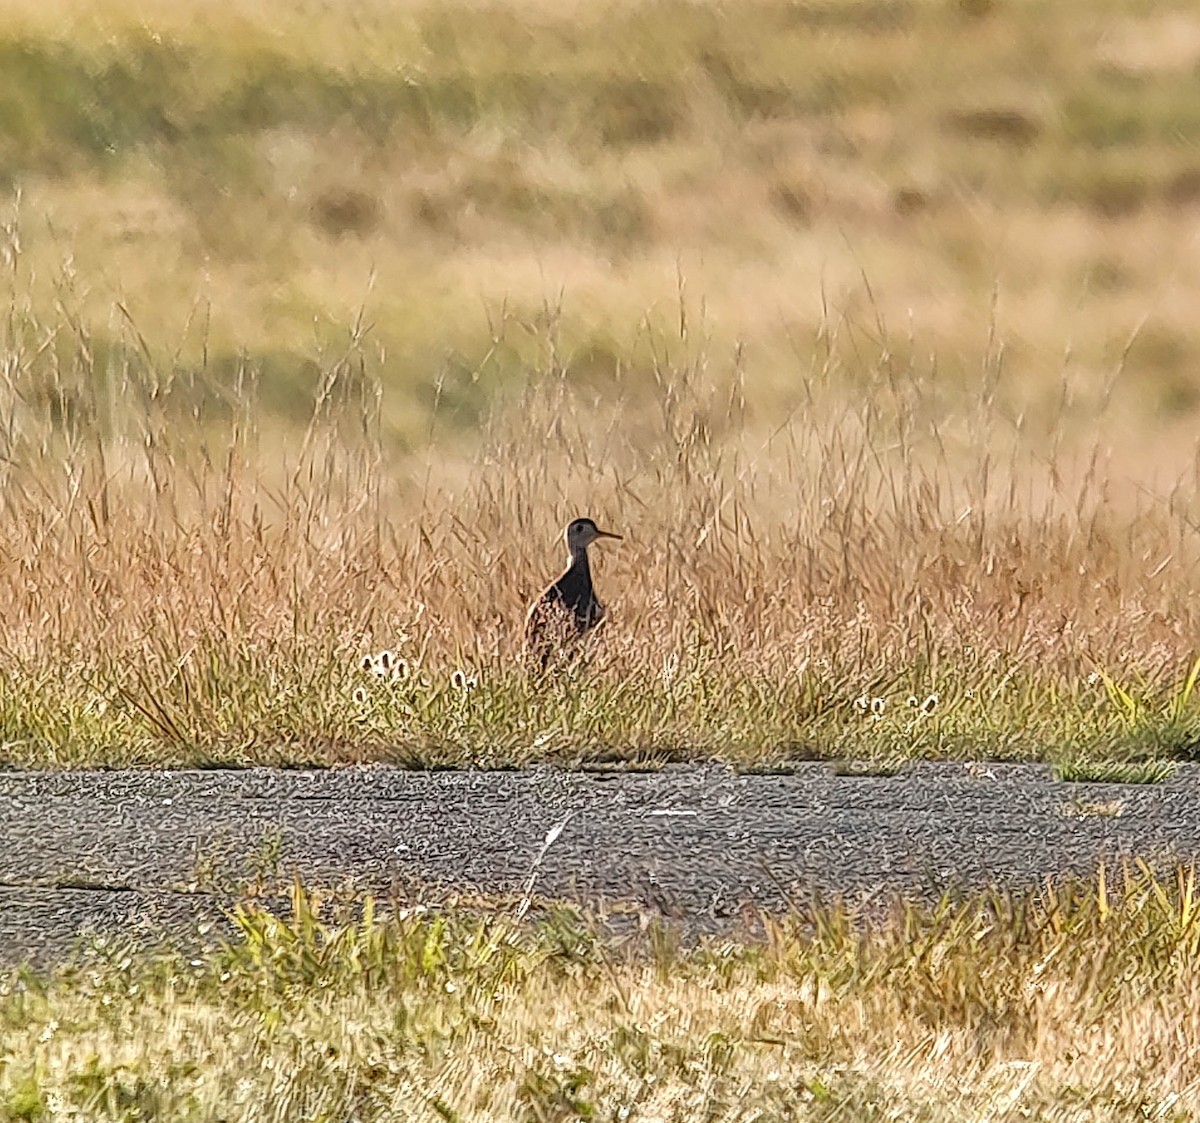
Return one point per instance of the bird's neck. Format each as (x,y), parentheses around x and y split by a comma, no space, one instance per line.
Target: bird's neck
(577,560)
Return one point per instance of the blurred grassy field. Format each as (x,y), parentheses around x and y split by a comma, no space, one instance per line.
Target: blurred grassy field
(871,323)
(920,174)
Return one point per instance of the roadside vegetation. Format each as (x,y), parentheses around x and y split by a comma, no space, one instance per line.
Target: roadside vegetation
(869,325)
(853,585)
(1078,1000)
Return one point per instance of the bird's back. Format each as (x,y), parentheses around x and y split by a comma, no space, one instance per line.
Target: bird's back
(567,609)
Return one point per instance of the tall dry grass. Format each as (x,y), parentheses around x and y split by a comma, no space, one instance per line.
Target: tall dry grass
(321,322)
(180,582)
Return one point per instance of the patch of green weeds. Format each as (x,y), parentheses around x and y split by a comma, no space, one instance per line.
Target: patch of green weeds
(1114,771)
(23,1101)
(353,1008)
(324,706)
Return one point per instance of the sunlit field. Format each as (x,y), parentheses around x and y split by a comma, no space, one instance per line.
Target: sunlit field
(870,326)
(1075,1002)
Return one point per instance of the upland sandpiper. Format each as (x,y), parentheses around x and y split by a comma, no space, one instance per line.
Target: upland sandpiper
(569,608)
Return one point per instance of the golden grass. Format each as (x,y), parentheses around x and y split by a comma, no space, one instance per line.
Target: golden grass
(269,163)
(875,345)
(210,594)
(1075,1002)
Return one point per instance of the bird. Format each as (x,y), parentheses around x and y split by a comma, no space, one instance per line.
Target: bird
(569,607)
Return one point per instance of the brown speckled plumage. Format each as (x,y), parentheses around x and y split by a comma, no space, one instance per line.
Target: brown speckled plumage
(569,608)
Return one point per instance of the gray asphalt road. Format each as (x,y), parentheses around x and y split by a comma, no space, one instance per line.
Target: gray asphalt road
(158,852)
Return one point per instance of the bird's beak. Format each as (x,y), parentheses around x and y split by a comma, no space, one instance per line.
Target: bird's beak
(606,534)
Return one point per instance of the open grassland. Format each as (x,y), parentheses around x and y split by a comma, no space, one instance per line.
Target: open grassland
(1078,1001)
(870,325)
(260,173)
(854,584)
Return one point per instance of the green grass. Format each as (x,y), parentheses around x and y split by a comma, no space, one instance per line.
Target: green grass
(1115,772)
(234,705)
(1066,1001)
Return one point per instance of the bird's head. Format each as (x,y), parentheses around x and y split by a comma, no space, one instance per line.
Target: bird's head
(581,533)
